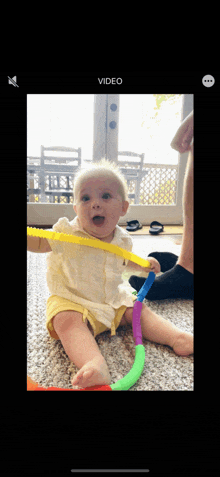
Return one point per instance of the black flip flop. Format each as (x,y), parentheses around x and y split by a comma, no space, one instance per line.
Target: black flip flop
(133,225)
(155,230)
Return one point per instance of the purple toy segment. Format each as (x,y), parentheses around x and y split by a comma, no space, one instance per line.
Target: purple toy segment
(136,322)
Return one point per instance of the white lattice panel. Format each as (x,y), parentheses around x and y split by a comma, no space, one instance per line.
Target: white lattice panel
(158,187)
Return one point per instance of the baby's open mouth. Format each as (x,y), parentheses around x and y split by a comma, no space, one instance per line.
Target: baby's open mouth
(98,220)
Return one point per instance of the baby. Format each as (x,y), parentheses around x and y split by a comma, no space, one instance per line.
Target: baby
(88,293)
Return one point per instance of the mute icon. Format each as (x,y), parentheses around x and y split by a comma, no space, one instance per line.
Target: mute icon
(13,81)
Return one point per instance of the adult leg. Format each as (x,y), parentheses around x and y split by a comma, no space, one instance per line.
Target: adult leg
(186,254)
(181,143)
(178,281)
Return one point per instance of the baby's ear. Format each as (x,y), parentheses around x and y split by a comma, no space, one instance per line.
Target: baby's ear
(125,206)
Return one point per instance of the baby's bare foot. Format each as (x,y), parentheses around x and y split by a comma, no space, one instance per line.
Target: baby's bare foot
(183,345)
(92,373)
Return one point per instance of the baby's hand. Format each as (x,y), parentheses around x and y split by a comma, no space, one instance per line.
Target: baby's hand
(155,266)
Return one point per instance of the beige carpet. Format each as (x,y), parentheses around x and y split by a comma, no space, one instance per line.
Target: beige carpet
(48,364)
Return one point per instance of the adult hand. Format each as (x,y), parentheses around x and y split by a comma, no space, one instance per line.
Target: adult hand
(183,139)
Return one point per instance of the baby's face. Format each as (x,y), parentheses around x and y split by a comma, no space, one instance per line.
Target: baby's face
(99,207)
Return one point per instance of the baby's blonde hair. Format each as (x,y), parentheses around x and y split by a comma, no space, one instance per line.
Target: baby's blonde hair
(103,168)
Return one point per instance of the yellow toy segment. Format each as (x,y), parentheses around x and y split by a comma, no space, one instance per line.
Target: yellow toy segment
(90,243)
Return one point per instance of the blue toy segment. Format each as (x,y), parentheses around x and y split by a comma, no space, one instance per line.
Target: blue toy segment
(146,286)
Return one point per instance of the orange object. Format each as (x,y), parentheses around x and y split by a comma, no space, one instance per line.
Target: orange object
(32,386)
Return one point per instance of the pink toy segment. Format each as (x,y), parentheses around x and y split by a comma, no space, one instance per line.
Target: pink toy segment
(136,322)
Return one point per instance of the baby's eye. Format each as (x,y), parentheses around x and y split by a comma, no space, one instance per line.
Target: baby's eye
(86,197)
(106,193)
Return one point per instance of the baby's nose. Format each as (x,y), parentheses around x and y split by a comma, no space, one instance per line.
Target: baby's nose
(96,203)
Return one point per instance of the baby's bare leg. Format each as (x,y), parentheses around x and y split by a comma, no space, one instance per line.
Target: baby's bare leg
(82,349)
(157,329)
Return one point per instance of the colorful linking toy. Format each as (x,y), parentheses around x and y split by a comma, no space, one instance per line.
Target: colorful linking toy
(134,374)
(48,234)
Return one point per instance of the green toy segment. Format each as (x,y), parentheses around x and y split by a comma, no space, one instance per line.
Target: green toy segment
(134,374)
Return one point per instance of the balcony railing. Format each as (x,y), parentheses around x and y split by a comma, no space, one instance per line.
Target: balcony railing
(155,184)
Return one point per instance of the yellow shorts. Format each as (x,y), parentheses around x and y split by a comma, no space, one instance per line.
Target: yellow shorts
(56,304)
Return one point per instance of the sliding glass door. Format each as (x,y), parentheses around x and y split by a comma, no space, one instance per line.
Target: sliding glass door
(136,130)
